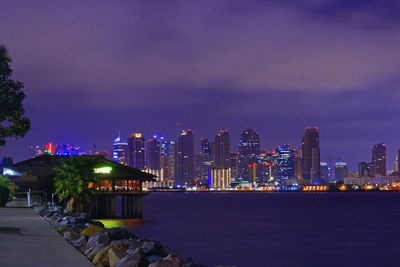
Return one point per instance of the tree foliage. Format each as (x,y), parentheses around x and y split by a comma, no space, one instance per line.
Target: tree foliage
(13,122)
(72,182)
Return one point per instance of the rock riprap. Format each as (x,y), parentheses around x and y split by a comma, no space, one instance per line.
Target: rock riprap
(114,247)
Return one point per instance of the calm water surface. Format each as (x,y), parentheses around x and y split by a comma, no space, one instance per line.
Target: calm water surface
(275,229)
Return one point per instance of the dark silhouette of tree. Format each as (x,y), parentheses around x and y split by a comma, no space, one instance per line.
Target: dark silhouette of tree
(13,122)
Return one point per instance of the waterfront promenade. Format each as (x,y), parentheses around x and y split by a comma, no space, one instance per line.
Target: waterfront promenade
(26,239)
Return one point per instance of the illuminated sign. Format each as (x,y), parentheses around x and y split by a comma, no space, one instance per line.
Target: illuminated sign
(102,170)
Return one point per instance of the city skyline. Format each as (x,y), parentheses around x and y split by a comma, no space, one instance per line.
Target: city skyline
(273,66)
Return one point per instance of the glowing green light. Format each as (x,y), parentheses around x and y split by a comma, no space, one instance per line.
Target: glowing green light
(102,170)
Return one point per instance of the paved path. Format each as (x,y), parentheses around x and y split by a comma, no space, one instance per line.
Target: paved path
(27,239)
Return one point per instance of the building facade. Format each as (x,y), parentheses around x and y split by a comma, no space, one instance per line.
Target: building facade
(120,151)
(379,159)
(184,158)
(311,155)
(136,151)
(249,154)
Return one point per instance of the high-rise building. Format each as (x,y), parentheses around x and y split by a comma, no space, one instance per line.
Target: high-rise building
(220,178)
(221,150)
(379,159)
(267,167)
(363,170)
(341,171)
(172,160)
(311,154)
(120,151)
(136,151)
(249,153)
(298,160)
(397,169)
(184,158)
(284,160)
(206,149)
(324,173)
(234,166)
(153,154)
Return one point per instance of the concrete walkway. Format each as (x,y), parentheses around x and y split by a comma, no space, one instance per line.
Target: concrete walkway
(27,239)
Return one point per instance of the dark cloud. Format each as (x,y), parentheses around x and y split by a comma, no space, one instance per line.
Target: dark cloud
(277,66)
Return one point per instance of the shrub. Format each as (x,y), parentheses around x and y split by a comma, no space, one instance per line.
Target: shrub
(4,193)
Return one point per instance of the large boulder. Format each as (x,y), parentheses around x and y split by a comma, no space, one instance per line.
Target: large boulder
(115,255)
(80,242)
(71,235)
(169,261)
(101,258)
(96,243)
(118,233)
(135,258)
(91,230)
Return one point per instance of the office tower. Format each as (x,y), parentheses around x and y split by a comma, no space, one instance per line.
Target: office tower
(120,151)
(249,154)
(363,170)
(234,166)
(311,154)
(341,171)
(267,167)
(153,154)
(284,160)
(184,158)
(379,159)
(136,151)
(221,150)
(298,160)
(205,149)
(397,169)
(171,160)
(206,160)
(324,173)
(220,178)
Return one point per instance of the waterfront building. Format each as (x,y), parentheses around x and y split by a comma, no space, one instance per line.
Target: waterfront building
(378,180)
(120,151)
(298,160)
(311,155)
(153,154)
(363,169)
(284,160)
(136,151)
(184,158)
(341,171)
(379,159)
(220,178)
(324,173)
(221,150)
(249,154)
(172,160)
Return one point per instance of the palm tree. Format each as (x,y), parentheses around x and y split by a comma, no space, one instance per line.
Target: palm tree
(72,183)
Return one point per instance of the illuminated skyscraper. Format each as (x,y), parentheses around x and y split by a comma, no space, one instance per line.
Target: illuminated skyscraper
(249,153)
(311,155)
(120,151)
(363,170)
(136,151)
(379,159)
(341,171)
(284,160)
(184,158)
(205,149)
(298,161)
(153,154)
(221,150)
(324,173)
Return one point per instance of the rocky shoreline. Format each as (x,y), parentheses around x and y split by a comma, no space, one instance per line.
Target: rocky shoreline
(114,247)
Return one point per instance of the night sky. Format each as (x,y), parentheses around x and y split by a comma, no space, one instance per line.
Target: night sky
(93,68)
